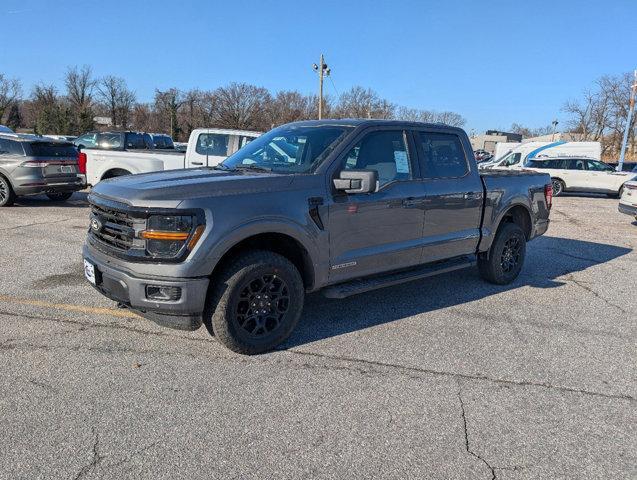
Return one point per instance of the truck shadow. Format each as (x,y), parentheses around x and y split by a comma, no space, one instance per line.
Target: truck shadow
(78,200)
(548,259)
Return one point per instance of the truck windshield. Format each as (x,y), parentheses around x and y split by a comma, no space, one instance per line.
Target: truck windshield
(288,149)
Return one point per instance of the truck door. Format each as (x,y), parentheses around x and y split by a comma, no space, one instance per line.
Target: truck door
(454,198)
(210,150)
(378,231)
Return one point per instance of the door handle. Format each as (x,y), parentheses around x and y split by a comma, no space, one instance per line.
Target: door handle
(472,196)
(197,163)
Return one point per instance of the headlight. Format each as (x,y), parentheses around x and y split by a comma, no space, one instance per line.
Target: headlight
(167,235)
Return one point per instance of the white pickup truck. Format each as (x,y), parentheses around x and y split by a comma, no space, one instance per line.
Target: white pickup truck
(112,154)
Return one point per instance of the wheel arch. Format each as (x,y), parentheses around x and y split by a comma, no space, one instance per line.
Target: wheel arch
(115,172)
(284,244)
(521,216)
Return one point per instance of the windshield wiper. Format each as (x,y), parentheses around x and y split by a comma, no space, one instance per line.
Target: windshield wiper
(254,168)
(223,167)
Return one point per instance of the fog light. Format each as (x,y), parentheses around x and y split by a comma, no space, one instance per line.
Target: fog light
(163,294)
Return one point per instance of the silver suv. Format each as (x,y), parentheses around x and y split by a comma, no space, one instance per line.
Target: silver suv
(31,165)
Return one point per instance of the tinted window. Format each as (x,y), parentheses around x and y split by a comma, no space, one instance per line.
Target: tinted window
(10,147)
(443,155)
(136,141)
(148,141)
(289,149)
(41,149)
(384,152)
(109,140)
(575,164)
(599,166)
(215,144)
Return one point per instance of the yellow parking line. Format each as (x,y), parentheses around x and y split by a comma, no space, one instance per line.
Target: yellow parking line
(115,312)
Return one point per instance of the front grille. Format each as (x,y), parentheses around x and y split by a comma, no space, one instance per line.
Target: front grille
(115,227)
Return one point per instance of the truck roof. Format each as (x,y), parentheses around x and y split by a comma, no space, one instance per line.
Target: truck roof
(357,122)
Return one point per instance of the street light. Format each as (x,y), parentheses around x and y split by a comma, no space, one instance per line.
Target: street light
(554,123)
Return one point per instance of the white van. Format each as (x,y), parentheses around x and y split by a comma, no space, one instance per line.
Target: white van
(518,155)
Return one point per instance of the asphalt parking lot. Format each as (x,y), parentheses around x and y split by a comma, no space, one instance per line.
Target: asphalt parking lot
(448,377)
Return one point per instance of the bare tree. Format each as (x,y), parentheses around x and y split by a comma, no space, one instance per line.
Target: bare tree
(527,132)
(359,102)
(10,93)
(242,106)
(118,99)
(430,116)
(79,91)
(600,115)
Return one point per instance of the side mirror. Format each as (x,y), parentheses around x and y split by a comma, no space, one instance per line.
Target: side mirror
(356,181)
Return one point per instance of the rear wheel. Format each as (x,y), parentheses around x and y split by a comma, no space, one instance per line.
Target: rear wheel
(505,259)
(558,187)
(255,302)
(59,196)
(7,196)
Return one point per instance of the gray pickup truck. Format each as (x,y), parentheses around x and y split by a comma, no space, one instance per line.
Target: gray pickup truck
(342,206)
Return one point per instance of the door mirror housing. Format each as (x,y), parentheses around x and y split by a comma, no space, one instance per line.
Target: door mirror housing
(357,181)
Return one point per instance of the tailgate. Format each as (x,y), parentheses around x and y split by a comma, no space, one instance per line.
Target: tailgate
(55,159)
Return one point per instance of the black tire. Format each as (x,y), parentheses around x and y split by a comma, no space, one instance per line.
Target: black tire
(254,302)
(59,196)
(7,195)
(558,187)
(505,258)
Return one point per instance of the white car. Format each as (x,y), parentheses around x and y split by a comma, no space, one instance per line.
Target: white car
(628,200)
(573,174)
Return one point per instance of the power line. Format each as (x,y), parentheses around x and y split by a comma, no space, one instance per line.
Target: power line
(334,87)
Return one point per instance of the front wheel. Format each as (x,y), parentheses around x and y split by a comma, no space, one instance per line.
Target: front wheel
(558,187)
(255,302)
(505,259)
(59,196)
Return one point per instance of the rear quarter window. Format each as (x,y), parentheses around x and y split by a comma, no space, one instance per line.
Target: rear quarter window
(40,149)
(10,147)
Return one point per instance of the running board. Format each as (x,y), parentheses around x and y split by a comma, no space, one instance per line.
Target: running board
(354,287)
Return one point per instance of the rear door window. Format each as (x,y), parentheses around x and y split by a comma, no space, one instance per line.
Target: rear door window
(214,144)
(109,140)
(135,141)
(10,147)
(42,149)
(442,155)
(575,164)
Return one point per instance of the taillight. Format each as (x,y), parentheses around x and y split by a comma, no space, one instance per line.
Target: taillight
(35,164)
(81,162)
(548,195)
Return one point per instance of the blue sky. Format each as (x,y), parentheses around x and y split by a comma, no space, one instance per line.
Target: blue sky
(495,62)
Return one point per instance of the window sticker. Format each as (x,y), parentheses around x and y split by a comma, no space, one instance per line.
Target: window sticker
(402,161)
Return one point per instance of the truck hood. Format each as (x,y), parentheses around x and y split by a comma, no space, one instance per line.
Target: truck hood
(171,187)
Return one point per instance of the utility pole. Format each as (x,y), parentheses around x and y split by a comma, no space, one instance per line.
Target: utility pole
(554,123)
(322,71)
(631,107)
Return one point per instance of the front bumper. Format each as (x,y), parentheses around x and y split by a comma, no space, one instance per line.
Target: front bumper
(128,289)
(36,186)
(628,209)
